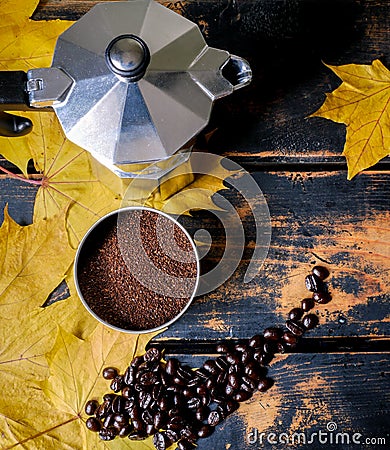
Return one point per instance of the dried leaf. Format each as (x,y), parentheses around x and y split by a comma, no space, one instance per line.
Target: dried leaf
(362,102)
(24,44)
(34,260)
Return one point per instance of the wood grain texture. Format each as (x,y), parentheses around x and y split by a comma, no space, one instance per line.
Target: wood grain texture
(316,218)
(285,43)
(310,390)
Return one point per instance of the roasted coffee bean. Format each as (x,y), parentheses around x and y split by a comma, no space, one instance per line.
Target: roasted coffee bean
(183,444)
(103,410)
(321,272)
(195,381)
(179,381)
(222,348)
(165,379)
(202,373)
(234,380)
(118,404)
(188,433)
(151,366)
(176,423)
(138,425)
(127,391)
(247,356)
(269,348)
(211,383)
(252,369)
(250,382)
(137,361)
(295,327)
(171,366)
(145,399)
(222,363)
(265,384)
(107,434)
(322,297)
(242,396)
(160,441)
(256,341)
(194,403)
(202,413)
(147,417)
(185,372)
(232,358)
(265,358)
(117,384)
(205,399)
(245,387)
(134,413)
(310,321)
(231,406)
(172,436)
(187,393)
(178,400)
(129,403)
(241,347)
(121,419)
(205,431)
(314,284)
(201,390)
(290,339)
(93,424)
(149,429)
(109,373)
(229,390)
(156,392)
(152,354)
(109,397)
(222,377)
(108,420)
(159,420)
(211,366)
(307,304)
(235,368)
(174,412)
(137,435)
(128,376)
(281,348)
(272,334)
(295,314)
(214,418)
(148,379)
(125,431)
(90,407)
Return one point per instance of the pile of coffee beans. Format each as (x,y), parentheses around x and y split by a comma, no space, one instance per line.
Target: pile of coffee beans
(176,403)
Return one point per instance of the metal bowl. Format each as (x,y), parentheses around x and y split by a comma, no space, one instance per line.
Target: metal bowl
(92,236)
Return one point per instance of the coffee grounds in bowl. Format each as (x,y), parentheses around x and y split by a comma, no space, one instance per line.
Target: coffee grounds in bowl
(110,285)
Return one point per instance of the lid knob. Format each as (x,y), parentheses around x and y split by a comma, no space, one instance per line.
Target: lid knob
(128,56)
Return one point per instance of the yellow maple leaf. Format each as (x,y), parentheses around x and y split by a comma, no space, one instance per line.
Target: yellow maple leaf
(33,260)
(362,102)
(25,44)
(58,420)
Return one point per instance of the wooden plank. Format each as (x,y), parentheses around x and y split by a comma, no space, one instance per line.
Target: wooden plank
(315,218)
(310,391)
(285,42)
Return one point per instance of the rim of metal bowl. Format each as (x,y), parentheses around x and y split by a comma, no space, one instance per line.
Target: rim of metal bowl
(80,248)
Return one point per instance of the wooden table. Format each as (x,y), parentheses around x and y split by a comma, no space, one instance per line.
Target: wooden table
(340,372)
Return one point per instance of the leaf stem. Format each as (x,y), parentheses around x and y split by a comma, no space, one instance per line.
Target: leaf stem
(20,177)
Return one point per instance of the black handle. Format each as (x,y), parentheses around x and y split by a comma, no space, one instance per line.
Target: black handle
(13,97)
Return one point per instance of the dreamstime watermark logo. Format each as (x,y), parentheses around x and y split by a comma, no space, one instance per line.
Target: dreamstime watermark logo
(140,192)
(330,436)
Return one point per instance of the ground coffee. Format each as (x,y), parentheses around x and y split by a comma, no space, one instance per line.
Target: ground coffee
(118,264)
